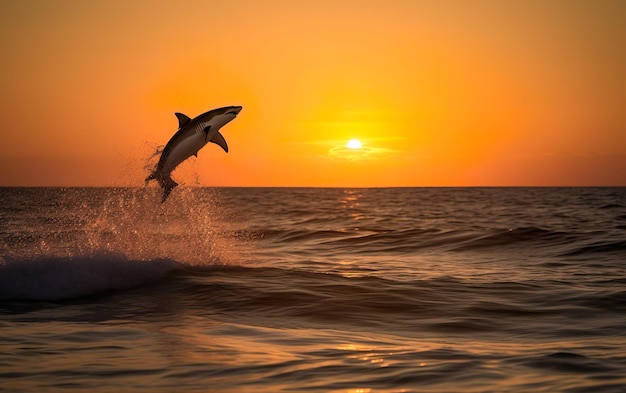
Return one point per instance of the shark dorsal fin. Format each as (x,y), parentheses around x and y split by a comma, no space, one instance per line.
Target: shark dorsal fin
(219,140)
(182,119)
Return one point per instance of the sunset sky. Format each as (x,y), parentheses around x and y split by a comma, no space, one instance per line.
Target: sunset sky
(439,93)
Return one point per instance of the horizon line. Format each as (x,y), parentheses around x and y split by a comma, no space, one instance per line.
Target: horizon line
(335,187)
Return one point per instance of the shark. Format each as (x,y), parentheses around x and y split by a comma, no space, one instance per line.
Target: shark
(191,136)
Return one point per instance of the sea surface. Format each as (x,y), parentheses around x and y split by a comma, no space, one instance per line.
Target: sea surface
(313,290)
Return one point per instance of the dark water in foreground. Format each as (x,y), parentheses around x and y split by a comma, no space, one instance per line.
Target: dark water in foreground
(315,290)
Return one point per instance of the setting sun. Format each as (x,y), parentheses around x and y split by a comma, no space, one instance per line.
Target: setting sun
(354,144)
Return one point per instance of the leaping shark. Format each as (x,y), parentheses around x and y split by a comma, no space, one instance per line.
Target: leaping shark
(191,136)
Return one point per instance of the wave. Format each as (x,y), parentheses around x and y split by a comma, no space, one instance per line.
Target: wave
(597,248)
(441,305)
(612,206)
(565,362)
(52,278)
(385,240)
(515,236)
(160,288)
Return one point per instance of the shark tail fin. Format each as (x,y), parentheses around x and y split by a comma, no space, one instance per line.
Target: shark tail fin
(168,185)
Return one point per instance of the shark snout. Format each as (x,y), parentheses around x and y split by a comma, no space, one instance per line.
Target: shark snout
(234,110)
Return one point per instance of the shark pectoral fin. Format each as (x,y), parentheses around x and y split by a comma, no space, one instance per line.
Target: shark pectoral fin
(206,133)
(182,119)
(219,140)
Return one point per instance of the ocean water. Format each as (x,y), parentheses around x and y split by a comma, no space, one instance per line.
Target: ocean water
(313,290)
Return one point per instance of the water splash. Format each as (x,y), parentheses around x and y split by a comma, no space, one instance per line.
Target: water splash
(126,221)
(108,239)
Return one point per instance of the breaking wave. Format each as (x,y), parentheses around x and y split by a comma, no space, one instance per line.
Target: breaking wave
(57,278)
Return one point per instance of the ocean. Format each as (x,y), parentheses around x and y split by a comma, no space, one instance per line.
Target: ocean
(313,290)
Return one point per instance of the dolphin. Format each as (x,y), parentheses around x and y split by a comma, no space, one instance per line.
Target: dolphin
(191,136)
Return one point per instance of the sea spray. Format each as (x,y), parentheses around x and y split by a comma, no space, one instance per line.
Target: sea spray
(110,239)
(127,221)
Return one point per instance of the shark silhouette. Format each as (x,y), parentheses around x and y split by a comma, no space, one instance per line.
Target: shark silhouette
(191,136)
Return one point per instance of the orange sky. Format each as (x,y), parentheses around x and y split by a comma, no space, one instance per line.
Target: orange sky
(439,92)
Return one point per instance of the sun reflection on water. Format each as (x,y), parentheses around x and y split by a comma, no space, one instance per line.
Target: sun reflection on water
(350,203)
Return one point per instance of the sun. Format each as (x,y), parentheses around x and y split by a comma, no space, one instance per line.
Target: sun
(354,144)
